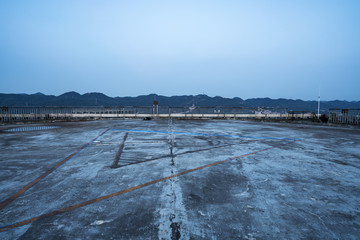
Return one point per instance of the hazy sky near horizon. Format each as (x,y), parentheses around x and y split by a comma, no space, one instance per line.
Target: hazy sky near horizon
(234,48)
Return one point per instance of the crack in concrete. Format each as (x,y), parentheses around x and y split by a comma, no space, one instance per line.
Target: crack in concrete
(173,213)
(175,226)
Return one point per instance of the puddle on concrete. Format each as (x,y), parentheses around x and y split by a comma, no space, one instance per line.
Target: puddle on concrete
(33,128)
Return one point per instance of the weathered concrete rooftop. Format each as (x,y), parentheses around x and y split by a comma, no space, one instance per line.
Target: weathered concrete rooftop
(135,179)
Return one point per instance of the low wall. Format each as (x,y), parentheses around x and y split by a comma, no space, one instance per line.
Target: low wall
(89,116)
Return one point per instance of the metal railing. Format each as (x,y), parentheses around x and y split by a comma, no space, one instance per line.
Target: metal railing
(13,114)
(344,116)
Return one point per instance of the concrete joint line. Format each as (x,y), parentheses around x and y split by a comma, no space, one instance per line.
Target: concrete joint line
(118,154)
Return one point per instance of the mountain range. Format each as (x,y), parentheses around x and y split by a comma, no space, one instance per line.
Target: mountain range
(99,99)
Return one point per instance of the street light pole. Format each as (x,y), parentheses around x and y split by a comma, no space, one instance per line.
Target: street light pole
(319,103)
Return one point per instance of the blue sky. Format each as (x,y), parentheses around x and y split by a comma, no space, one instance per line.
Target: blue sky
(247,49)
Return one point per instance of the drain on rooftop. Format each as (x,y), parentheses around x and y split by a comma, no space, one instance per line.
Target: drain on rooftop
(27,129)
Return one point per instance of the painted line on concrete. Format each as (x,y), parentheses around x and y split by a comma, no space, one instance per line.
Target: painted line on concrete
(175,155)
(118,154)
(204,134)
(31,184)
(66,209)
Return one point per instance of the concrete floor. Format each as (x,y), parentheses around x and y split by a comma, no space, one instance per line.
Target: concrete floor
(307,189)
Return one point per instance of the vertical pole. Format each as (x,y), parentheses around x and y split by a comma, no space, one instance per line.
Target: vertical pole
(319,103)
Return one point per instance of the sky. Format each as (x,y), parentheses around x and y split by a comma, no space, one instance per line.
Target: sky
(232,48)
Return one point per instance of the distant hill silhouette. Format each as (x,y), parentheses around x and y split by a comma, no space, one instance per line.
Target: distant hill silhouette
(99,99)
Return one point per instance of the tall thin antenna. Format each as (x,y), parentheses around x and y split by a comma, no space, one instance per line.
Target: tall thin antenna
(319,103)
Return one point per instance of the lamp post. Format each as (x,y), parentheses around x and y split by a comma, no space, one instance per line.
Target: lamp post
(319,103)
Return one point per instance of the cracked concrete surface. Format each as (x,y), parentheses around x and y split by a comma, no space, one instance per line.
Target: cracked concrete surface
(309,189)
